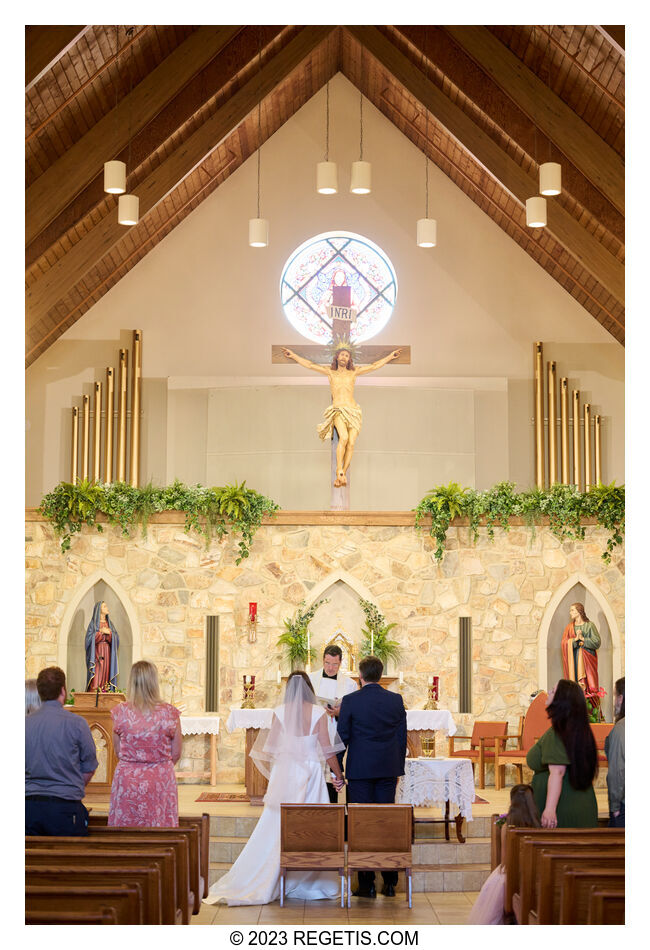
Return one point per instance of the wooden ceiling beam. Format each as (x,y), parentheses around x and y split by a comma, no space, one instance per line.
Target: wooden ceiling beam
(202,88)
(615,35)
(599,262)
(79,165)
(574,138)
(46,292)
(44,46)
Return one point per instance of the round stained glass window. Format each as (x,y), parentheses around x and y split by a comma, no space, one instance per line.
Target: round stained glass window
(338,268)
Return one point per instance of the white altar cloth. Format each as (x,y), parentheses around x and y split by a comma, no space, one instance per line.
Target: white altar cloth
(202,724)
(428,782)
(416,719)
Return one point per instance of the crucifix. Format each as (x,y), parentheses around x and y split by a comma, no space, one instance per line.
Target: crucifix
(342,362)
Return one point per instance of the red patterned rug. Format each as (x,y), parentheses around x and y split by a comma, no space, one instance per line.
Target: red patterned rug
(223,797)
(480,801)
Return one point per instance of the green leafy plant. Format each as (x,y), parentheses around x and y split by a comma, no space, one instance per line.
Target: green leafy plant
(212,512)
(564,505)
(376,632)
(295,638)
(69,699)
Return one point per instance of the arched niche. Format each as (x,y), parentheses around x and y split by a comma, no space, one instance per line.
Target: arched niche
(341,619)
(580,589)
(72,653)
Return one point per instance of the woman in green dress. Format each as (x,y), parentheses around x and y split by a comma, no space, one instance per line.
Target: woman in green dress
(565,762)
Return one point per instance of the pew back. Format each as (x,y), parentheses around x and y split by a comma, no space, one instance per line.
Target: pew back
(552,865)
(125,899)
(577,889)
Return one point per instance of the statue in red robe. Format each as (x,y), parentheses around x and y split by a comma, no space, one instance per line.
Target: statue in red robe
(580,641)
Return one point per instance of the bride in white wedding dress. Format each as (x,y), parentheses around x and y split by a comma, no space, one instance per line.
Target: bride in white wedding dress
(291,755)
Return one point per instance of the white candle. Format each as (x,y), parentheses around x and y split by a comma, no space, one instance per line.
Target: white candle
(431,681)
(279,678)
(372,642)
(401,679)
(308,650)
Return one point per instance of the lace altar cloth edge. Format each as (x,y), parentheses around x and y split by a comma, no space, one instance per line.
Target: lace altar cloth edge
(428,782)
(200,725)
(416,719)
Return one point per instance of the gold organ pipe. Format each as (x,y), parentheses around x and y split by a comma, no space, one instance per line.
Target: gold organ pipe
(74,454)
(97,433)
(85,438)
(539,416)
(587,417)
(598,448)
(564,429)
(108,428)
(576,437)
(121,417)
(552,422)
(136,396)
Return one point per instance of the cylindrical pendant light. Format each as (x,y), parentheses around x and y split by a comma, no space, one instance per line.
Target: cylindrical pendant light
(360,182)
(128,209)
(427,232)
(258,232)
(114,178)
(535,212)
(326,178)
(550,178)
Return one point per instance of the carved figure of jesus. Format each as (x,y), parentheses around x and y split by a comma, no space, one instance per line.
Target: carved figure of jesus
(344,414)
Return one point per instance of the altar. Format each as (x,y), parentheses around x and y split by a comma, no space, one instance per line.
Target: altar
(419,723)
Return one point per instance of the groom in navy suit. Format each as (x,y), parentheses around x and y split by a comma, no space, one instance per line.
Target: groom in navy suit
(372,724)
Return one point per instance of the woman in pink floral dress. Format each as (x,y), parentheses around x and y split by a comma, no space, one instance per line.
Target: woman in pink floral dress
(147,740)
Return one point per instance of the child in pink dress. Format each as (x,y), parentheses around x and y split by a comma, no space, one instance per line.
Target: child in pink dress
(147,739)
(489,905)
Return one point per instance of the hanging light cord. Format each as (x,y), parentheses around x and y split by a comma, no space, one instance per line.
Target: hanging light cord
(129,33)
(361,127)
(117,69)
(426,136)
(327,124)
(259,122)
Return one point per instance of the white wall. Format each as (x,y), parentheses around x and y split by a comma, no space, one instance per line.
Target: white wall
(209,305)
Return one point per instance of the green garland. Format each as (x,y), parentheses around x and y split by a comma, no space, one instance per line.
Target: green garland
(212,512)
(564,505)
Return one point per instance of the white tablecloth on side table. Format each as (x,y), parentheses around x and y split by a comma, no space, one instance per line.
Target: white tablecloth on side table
(428,782)
(417,719)
(203,724)
(249,719)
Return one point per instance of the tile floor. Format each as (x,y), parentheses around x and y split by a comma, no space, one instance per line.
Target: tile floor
(432,908)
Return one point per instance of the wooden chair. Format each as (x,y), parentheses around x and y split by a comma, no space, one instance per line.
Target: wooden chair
(600,732)
(312,838)
(578,886)
(380,837)
(606,906)
(481,746)
(163,859)
(531,727)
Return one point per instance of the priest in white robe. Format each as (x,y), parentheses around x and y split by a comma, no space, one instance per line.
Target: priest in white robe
(329,683)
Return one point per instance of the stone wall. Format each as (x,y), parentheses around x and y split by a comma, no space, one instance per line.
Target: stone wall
(169,581)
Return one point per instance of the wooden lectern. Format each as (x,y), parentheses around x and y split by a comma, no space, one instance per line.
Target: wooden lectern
(96,710)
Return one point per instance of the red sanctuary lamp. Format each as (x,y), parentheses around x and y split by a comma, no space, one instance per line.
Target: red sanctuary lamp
(252,622)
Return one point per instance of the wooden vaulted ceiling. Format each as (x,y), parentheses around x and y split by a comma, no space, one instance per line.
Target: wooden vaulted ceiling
(178,104)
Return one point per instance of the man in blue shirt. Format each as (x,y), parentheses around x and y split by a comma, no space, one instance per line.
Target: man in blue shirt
(60,760)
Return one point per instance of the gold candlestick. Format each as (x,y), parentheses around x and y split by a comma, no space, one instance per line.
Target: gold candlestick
(432,701)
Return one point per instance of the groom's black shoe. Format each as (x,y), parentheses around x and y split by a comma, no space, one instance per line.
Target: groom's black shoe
(365,891)
(388,890)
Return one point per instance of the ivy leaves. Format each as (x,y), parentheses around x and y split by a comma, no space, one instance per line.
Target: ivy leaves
(295,637)
(564,505)
(212,512)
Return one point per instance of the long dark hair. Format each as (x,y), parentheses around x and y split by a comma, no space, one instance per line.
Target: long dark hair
(569,718)
(619,687)
(523,810)
(335,359)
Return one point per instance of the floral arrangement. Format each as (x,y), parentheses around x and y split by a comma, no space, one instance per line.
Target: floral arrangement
(593,698)
(296,637)
(376,632)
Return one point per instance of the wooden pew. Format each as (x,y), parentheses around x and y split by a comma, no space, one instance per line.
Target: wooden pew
(162,859)
(606,907)
(135,843)
(578,887)
(526,898)
(515,836)
(552,863)
(125,899)
(199,845)
(187,867)
(106,915)
(147,876)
